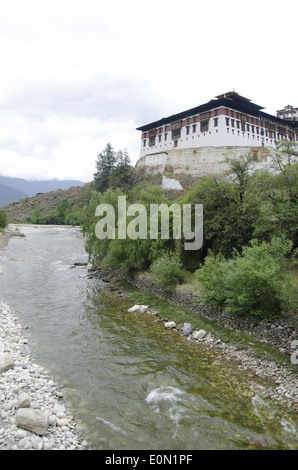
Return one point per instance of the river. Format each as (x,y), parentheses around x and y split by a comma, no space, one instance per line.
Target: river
(130,383)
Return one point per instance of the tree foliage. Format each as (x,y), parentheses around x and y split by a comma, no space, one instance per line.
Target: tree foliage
(3,219)
(113,169)
(252,283)
(250,234)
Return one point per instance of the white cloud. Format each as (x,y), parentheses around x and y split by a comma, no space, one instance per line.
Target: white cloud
(76,75)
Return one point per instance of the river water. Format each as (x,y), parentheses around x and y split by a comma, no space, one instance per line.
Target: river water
(130,383)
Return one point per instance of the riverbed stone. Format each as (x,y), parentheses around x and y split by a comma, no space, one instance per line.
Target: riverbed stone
(170,324)
(198,335)
(6,362)
(187,329)
(134,308)
(24,401)
(33,420)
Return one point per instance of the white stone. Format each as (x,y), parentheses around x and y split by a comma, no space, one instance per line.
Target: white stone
(20,434)
(138,308)
(134,308)
(199,334)
(171,183)
(32,420)
(6,362)
(24,401)
(170,324)
(143,308)
(24,443)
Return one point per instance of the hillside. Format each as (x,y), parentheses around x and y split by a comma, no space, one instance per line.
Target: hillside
(31,188)
(21,211)
(9,195)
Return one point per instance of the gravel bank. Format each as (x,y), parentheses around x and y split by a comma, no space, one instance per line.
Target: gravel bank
(32,413)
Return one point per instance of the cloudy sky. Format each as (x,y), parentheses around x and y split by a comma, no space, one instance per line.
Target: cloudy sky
(77,74)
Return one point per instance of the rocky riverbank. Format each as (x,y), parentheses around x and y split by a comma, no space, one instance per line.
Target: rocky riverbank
(33,415)
(273,381)
(9,232)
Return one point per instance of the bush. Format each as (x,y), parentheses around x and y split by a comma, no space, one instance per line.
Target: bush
(3,219)
(167,271)
(253,283)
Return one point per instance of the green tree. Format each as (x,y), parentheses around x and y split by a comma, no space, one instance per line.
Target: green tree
(38,217)
(105,163)
(167,270)
(272,199)
(3,219)
(114,170)
(240,170)
(122,175)
(252,283)
(227,226)
(287,150)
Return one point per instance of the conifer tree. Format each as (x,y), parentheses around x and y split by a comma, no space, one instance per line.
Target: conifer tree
(105,163)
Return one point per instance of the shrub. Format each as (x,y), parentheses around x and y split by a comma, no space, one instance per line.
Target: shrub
(3,219)
(167,270)
(253,283)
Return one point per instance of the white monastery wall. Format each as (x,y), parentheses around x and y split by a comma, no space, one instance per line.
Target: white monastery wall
(201,161)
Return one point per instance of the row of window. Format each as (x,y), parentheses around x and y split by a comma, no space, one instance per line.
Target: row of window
(264,135)
(203,126)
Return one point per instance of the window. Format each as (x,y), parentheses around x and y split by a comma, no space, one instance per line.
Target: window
(194,128)
(227,121)
(176,133)
(215,122)
(204,126)
(151,141)
(144,143)
(176,129)
(204,116)
(233,122)
(187,130)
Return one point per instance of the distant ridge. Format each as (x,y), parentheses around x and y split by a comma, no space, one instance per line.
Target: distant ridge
(9,195)
(31,188)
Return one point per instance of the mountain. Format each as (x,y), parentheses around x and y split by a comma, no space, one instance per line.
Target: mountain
(31,188)
(23,210)
(9,195)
